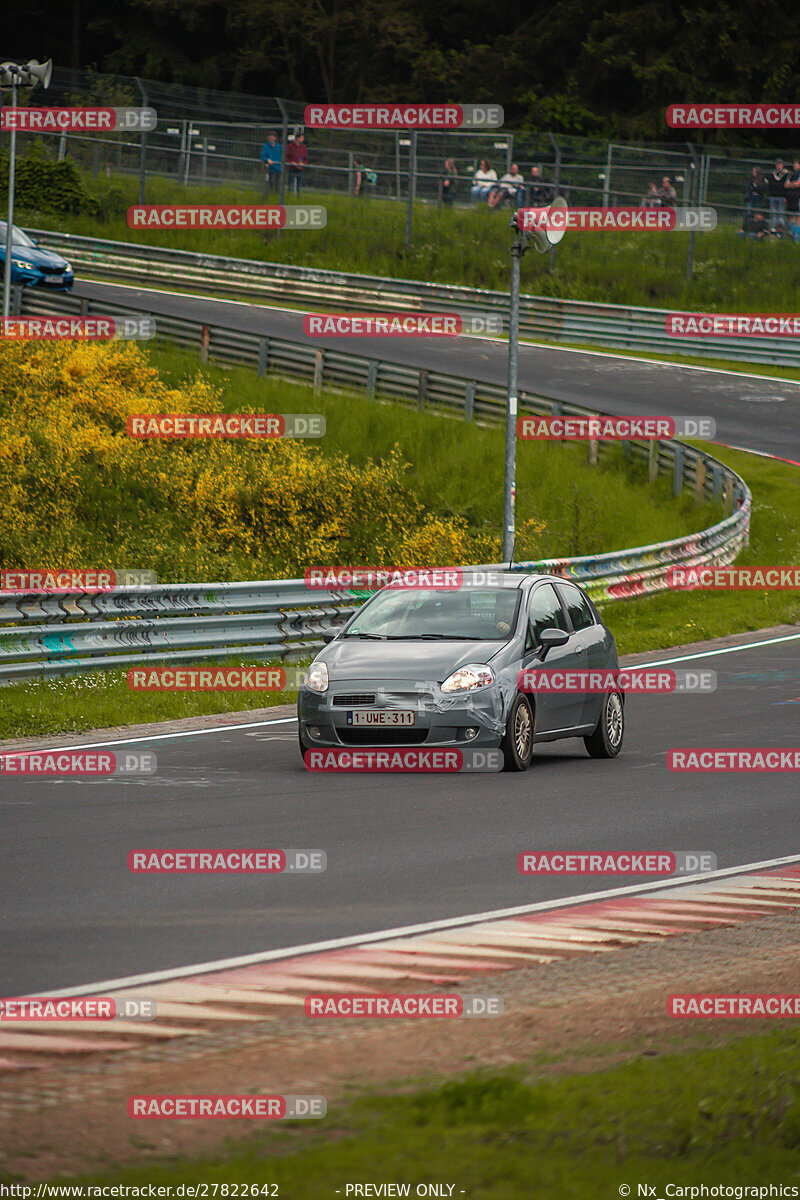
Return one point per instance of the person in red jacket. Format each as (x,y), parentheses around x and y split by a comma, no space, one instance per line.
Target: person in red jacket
(296,162)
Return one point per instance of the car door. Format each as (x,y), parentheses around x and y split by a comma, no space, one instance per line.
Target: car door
(554,710)
(594,642)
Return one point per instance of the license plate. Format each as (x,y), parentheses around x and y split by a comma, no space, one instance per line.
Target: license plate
(55,280)
(382,716)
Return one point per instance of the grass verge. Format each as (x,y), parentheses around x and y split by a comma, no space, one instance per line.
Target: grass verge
(466,246)
(729,1116)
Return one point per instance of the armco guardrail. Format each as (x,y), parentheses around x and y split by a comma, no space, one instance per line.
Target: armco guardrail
(550,318)
(281,619)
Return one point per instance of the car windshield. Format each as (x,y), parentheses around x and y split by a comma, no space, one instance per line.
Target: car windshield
(18,236)
(472,614)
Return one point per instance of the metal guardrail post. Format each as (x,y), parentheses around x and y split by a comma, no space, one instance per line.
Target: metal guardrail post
(652,460)
(422,390)
(677,472)
(263,356)
(205,340)
(469,399)
(372,378)
(319,368)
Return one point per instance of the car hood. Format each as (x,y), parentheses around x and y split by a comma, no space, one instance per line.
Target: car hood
(35,255)
(352,658)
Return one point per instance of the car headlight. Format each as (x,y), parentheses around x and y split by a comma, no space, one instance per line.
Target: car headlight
(22,265)
(469,678)
(316,677)
(67,266)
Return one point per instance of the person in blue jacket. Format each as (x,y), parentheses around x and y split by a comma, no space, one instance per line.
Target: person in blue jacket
(271,156)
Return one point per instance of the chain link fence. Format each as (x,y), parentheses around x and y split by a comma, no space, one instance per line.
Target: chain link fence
(209,137)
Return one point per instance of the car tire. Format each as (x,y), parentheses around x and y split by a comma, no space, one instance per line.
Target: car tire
(606,740)
(517,741)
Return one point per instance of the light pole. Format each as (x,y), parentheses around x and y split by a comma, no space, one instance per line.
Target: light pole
(543,239)
(14,75)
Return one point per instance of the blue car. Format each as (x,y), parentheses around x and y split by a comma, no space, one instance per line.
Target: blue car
(31,266)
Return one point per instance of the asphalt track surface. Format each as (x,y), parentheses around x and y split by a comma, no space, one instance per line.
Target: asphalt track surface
(401,848)
(753,413)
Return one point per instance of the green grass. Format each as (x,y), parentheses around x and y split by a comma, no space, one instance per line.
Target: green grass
(717,1116)
(468,246)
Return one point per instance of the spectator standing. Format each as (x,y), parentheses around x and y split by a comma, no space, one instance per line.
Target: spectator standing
(482,181)
(755,198)
(652,199)
(792,189)
(776,194)
(667,195)
(449,182)
(271,156)
(296,162)
(539,193)
(366,179)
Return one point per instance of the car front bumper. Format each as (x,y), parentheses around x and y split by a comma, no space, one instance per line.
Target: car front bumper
(448,720)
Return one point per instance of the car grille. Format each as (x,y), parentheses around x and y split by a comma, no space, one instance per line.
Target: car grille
(52,270)
(382,737)
(353,699)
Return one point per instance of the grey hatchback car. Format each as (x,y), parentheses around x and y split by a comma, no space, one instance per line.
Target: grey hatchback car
(422,666)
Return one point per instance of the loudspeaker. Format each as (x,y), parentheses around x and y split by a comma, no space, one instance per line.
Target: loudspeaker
(41,71)
(545,239)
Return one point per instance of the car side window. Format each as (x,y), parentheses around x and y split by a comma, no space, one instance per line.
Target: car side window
(578,607)
(544,612)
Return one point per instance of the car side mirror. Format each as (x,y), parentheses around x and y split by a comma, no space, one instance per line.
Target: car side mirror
(328,635)
(551,637)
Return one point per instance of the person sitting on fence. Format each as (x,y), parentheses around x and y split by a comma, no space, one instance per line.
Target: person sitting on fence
(776,194)
(449,182)
(755,226)
(510,187)
(652,199)
(366,179)
(539,192)
(271,157)
(482,181)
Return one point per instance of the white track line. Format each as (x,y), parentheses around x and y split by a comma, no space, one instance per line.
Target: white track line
(246,960)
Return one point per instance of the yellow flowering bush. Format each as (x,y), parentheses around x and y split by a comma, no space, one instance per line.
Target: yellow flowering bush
(79,491)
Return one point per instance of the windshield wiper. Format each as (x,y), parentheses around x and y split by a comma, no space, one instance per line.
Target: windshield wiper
(425,637)
(373,637)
